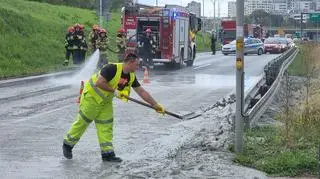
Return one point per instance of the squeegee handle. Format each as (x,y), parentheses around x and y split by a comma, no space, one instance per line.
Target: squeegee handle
(149,106)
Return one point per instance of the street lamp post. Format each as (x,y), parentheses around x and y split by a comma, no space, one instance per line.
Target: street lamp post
(203,8)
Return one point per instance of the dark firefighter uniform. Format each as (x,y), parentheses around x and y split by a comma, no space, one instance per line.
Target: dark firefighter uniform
(79,45)
(121,44)
(102,45)
(68,45)
(93,38)
(213,43)
(147,51)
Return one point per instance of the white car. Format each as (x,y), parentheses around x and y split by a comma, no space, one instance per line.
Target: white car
(251,46)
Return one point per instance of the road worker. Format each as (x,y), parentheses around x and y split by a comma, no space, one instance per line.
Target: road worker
(96,105)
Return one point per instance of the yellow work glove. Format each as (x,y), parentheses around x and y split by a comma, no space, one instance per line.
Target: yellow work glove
(159,108)
(121,95)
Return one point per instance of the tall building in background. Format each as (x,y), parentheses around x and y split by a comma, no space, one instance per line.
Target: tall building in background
(317,5)
(280,7)
(290,5)
(195,8)
(232,9)
(252,5)
(303,5)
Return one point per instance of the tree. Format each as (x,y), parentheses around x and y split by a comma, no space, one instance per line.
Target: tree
(260,17)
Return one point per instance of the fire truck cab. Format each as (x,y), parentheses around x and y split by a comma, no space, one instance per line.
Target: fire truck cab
(173,30)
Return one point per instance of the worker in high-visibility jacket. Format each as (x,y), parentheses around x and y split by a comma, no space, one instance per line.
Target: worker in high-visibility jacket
(96,105)
(121,44)
(102,45)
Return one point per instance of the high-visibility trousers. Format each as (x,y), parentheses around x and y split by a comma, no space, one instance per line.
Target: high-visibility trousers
(101,114)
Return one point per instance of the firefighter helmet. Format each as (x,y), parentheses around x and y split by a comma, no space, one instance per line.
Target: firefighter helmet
(81,27)
(70,29)
(121,30)
(103,31)
(77,25)
(148,30)
(95,27)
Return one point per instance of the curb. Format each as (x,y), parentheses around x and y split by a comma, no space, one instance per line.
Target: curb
(25,80)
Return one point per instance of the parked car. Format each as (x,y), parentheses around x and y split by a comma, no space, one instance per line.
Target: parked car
(251,46)
(275,45)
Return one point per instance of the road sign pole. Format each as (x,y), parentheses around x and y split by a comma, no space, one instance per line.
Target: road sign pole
(239,122)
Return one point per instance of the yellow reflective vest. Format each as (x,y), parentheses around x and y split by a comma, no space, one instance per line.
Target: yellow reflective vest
(102,96)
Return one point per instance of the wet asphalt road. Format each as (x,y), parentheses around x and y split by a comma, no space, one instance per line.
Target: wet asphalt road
(35,116)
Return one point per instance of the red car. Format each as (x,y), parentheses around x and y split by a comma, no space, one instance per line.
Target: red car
(275,45)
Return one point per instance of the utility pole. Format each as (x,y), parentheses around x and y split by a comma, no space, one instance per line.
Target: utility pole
(157,3)
(239,122)
(101,13)
(219,9)
(214,12)
(203,8)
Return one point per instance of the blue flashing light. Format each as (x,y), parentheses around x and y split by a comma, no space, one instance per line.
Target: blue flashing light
(174,15)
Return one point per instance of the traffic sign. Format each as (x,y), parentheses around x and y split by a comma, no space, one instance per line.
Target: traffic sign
(315,17)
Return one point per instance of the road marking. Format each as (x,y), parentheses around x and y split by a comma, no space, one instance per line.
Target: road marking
(202,66)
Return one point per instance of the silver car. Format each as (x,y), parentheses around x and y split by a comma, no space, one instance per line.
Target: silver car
(251,46)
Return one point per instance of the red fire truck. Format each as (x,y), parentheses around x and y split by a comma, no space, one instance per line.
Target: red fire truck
(228,31)
(173,30)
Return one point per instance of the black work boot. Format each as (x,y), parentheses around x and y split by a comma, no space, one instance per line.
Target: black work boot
(67,151)
(110,157)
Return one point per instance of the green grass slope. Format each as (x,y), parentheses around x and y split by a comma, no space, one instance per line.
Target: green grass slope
(32,35)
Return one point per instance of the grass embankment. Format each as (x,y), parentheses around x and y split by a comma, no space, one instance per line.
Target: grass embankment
(292,148)
(32,35)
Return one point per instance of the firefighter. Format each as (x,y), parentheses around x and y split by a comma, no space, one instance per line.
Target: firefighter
(148,48)
(83,46)
(121,44)
(113,80)
(213,43)
(79,44)
(69,45)
(102,45)
(93,37)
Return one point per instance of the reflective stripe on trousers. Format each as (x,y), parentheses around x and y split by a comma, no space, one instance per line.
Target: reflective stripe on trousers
(90,111)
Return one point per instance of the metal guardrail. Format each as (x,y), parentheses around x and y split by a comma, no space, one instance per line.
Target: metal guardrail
(266,87)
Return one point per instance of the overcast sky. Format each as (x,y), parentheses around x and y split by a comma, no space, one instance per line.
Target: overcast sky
(208,5)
